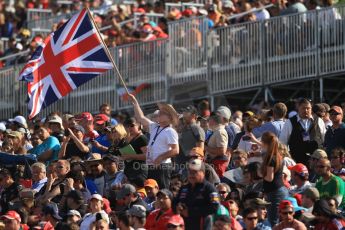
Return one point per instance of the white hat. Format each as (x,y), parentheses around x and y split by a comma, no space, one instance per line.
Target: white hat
(19,46)
(20,120)
(55,119)
(224,112)
(2,127)
(228,4)
(97,197)
(203,12)
(73,213)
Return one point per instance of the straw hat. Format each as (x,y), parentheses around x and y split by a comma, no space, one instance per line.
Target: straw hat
(169,110)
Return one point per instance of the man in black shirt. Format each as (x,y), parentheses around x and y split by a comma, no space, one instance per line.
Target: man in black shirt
(194,201)
(128,197)
(10,191)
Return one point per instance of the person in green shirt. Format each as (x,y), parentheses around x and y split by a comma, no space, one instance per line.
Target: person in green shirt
(329,185)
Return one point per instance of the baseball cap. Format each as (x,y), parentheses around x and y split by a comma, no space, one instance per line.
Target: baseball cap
(2,127)
(190,109)
(79,128)
(335,110)
(97,197)
(100,119)
(197,165)
(66,117)
(285,204)
(318,154)
(73,213)
(138,211)
(312,193)
(176,220)
(53,210)
(196,151)
(11,215)
(228,4)
(299,168)
(125,191)
(85,115)
(151,183)
(295,205)
(19,120)
(55,119)
(224,112)
(111,158)
(248,113)
(166,192)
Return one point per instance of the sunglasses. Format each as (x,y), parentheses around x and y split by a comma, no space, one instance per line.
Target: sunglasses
(175,226)
(335,157)
(334,114)
(222,192)
(252,218)
(287,213)
(94,166)
(130,125)
(59,167)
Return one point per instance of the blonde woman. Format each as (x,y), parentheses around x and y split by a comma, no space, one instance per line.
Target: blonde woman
(118,139)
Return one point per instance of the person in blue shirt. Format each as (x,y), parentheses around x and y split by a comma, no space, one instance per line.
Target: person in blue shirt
(48,150)
(102,126)
(279,112)
(335,135)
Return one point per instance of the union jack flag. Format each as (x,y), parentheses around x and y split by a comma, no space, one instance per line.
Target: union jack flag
(69,57)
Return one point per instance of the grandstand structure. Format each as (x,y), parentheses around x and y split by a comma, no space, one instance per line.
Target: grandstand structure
(276,60)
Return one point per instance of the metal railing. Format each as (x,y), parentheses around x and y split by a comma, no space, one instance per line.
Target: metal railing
(254,54)
(187,50)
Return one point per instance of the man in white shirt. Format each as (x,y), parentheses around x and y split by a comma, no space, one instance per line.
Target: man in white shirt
(303,133)
(163,144)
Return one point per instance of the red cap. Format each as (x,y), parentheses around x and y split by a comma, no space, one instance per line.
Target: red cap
(86,115)
(285,204)
(176,220)
(101,119)
(187,13)
(11,215)
(106,205)
(141,10)
(147,29)
(299,168)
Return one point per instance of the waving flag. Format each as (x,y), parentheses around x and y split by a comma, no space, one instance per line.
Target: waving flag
(69,57)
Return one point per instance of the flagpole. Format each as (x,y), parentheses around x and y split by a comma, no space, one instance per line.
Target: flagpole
(107,50)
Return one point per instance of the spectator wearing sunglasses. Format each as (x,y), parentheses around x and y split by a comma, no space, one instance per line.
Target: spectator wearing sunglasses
(329,185)
(286,212)
(210,173)
(335,135)
(250,219)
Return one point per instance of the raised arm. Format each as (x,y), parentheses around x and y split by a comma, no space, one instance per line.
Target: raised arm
(139,115)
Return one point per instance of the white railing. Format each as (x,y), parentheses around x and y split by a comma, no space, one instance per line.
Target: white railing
(248,55)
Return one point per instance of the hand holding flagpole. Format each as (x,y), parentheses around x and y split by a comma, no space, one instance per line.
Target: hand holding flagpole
(108,52)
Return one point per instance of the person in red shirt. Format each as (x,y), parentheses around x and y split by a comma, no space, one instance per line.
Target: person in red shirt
(159,218)
(325,218)
(86,121)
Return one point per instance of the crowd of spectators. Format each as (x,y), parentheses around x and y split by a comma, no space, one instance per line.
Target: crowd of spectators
(194,169)
(122,30)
